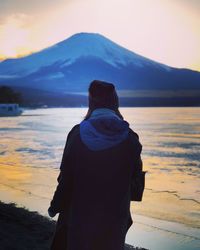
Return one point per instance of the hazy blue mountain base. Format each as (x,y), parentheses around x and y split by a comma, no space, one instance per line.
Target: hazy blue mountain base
(37,98)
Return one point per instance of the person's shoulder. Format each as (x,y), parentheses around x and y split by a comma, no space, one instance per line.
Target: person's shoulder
(134,139)
(133,134)
(75,129)
(73,132)
(71,137)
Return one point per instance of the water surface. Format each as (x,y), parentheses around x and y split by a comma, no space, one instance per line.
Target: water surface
(31,149)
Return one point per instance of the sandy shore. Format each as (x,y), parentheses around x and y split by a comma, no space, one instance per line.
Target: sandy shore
(21,229)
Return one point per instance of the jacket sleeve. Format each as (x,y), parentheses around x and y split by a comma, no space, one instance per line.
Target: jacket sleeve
(63,191)
(138,175)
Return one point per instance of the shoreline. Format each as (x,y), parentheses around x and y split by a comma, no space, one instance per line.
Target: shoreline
(25,190)
(24,229)
(20,226)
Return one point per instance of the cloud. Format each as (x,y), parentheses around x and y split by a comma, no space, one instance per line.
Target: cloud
(19,20)
(27,7)
(192,3)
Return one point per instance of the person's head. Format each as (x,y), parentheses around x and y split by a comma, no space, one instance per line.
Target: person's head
(102,95)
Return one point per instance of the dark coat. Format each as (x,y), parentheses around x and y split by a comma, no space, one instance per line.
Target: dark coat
(94,193)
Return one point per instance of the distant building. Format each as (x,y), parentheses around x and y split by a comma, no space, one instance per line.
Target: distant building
(10,109)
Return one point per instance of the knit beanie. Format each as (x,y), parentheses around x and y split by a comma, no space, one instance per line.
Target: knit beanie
(102,95)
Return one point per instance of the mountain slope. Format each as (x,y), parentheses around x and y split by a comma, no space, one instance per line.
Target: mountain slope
(68,51)
(69,66)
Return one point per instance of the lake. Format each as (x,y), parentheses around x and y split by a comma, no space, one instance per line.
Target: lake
(31,149)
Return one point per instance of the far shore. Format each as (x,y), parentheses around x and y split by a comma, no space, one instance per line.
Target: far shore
(21,229)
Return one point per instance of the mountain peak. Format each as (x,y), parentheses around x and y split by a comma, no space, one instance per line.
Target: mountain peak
(83,39)
(86,35)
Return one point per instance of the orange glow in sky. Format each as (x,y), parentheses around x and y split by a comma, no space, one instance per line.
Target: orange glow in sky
(166,31)
(15,40)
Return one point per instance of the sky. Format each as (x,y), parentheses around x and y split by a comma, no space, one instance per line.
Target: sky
(166,31)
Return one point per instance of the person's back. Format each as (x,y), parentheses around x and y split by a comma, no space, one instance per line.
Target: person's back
(101,156)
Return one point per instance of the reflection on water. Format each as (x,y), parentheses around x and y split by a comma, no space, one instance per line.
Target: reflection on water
(31,148)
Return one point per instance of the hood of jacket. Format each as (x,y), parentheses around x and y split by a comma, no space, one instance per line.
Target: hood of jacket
(103,130)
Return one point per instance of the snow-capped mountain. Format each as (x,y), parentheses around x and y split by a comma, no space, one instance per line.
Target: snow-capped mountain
(69,66)
(69,51)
